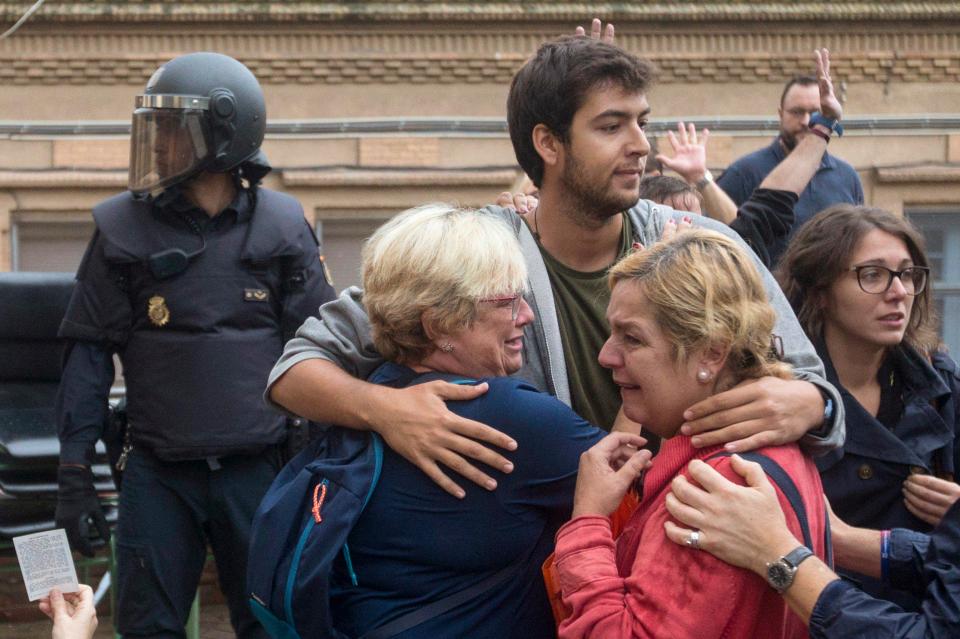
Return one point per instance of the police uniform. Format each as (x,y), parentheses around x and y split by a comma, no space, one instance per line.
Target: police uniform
(196,349)
(864,479)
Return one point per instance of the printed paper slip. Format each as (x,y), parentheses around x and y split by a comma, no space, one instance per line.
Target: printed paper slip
(46,562)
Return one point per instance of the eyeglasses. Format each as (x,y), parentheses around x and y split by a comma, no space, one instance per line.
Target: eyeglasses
(799,112)
(877,279)
(513,301)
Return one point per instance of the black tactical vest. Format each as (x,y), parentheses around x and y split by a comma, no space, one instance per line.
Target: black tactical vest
(202,342)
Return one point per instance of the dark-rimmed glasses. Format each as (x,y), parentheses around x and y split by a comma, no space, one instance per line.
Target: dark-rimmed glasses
(512,300)
(876,280)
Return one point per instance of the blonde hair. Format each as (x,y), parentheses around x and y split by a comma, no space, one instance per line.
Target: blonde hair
(703,290)
(431,264)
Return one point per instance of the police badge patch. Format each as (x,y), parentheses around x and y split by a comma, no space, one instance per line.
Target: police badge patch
(157,311)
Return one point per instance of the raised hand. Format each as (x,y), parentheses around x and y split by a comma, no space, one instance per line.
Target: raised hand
(829,104)
(689,152)
(595,31)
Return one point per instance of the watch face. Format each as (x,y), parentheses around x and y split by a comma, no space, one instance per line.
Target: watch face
(779,575)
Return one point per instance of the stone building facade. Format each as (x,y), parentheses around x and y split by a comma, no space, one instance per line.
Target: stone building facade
(377,106)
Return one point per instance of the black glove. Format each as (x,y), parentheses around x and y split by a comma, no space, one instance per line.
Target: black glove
(78,507)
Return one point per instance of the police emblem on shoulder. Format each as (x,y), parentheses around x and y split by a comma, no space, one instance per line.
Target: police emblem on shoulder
(326,271)
(157,311)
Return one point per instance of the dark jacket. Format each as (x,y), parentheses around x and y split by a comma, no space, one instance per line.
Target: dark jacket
(835,182)
(844,611)
(864,479)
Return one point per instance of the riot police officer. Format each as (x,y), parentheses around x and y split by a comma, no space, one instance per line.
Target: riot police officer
(195,277)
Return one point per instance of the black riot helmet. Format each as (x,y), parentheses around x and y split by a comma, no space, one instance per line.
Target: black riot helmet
(199,112)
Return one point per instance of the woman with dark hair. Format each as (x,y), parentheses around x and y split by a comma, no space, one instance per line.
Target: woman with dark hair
(857,279)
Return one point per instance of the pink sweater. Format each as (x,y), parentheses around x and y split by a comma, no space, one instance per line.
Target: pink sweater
(644,585)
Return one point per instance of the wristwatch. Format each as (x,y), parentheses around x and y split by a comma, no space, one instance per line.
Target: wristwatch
(834,125)
(780,573)
(704,181)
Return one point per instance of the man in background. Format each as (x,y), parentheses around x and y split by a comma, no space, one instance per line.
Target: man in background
(835,182)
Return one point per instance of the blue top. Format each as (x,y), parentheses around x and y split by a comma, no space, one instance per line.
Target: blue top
(415,544)
(835,182)
(842,610)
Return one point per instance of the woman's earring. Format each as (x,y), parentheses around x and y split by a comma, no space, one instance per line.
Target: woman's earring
(704,376)
(446,347)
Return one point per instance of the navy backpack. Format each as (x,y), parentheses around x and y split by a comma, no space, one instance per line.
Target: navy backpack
(301,527)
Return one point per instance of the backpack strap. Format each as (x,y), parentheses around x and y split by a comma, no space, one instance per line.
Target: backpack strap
(780,477)
(437,608)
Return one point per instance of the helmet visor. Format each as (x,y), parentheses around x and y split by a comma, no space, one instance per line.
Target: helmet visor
(166,146)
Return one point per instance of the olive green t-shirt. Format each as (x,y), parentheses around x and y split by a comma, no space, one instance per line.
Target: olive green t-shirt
(581,300)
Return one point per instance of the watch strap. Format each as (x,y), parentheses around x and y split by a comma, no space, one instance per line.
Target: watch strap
(797,555)
(704,181)
(827,410)
(834,125)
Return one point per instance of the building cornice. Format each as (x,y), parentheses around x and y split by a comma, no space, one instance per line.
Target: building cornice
(482,127)
(512,11)
(927,173)
(886,66)
(312,177)
(62,179)
(375,177)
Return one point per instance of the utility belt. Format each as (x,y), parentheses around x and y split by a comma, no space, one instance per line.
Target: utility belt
(118,440)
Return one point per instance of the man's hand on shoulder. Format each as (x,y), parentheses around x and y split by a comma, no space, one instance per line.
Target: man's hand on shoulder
(416,423)
(760,412)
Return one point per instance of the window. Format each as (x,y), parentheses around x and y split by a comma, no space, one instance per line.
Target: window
(941,230)
(342,240)
(49,241)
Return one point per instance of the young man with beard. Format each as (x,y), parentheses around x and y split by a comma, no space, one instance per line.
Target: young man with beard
(577,113)
(835,182)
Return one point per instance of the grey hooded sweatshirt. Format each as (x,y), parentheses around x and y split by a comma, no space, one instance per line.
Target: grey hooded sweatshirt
(341,333)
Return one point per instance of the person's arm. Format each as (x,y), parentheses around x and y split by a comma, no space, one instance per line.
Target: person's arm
(743,526)
(317,378)
(689,161)
(736,184)
(856,549)
(82,410)
(82,401)
(606,603)
(764,218)
(798,168)
(96,323)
